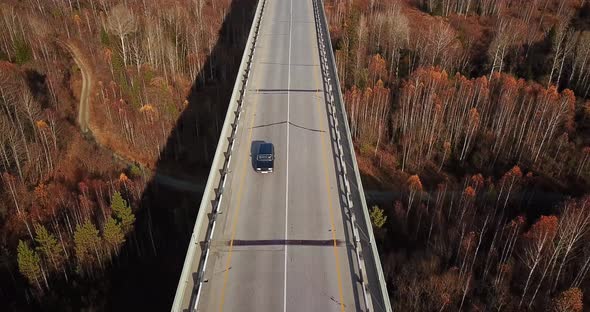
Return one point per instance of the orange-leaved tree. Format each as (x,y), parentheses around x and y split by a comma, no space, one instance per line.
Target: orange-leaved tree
(568,301)
(537,241)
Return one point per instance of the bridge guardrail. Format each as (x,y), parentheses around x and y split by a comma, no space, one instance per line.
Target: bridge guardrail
(372,278)
(189,285)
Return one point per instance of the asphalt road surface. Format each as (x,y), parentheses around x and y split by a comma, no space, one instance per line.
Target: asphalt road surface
(282,242)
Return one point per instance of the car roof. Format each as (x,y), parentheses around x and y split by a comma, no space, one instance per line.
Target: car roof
(265,148)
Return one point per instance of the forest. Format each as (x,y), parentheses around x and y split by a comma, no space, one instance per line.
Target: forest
(473,117)
(85,214)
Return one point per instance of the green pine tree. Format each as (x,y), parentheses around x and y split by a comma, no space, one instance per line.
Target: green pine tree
(87,243)
(378,218)
(122,212)
(105,40)
(135,171)
(48,247)
(113,235)
(29,263)
(22,51)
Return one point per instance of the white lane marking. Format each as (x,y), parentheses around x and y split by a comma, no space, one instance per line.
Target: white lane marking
(287,184)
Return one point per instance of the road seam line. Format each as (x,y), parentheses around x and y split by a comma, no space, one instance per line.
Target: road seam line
(287,170)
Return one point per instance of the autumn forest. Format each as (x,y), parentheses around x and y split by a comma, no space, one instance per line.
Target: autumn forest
(87,193)
(470,119)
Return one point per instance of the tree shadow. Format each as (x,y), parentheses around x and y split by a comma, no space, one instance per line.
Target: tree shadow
(146,275)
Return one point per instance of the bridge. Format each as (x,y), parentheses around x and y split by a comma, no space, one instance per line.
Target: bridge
(300,238)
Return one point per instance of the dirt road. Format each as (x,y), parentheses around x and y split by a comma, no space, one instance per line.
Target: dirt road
(84,107)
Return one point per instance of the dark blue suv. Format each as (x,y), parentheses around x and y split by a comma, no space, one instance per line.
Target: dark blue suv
(265,158)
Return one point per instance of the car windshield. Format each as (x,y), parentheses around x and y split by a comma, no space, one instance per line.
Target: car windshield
(264,157)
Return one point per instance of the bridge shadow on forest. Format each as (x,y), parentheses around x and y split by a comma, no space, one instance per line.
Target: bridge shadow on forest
(145,276)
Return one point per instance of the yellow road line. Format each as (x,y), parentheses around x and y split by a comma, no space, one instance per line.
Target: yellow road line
(238,205)
(326,174)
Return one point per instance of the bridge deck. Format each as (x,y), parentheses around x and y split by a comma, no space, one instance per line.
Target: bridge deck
(283,241)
